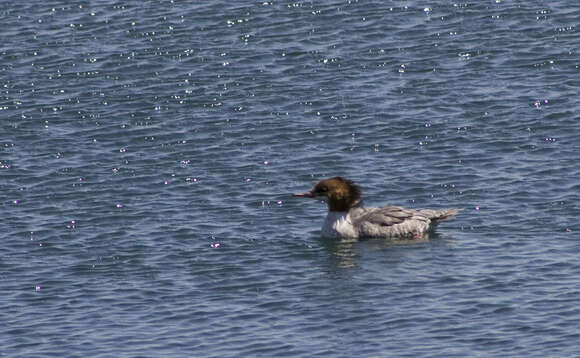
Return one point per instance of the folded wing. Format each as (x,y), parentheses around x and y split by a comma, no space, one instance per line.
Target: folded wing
(398,222)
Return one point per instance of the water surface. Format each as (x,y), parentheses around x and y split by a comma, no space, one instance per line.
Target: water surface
(149,150)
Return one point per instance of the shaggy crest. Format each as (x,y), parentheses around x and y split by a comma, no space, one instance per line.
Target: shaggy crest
(341,194)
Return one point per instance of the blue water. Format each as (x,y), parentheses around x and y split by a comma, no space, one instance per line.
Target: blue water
(148,151)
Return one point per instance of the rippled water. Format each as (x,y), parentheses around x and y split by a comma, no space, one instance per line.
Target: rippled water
(149,149)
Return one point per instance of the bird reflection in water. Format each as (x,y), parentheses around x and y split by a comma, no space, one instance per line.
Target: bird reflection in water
(349,253)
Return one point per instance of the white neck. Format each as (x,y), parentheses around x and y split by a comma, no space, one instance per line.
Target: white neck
(338,224)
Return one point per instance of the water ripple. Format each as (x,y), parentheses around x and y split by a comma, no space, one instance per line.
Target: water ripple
(148,155)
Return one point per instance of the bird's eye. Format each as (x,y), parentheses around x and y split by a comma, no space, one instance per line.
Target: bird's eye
(323,189)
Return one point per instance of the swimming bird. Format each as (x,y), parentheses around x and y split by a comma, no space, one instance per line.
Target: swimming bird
(348,219)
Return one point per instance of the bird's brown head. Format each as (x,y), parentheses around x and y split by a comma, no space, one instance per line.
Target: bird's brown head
(340,194)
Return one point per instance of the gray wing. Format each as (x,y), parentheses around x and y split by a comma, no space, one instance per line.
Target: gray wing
(392,221)
(440,215)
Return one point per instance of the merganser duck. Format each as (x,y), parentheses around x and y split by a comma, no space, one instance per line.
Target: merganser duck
(348,219)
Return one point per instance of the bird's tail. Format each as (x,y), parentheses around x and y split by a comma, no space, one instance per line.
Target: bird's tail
(440,215)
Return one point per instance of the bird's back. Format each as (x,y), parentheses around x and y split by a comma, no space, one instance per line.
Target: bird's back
(397,222)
